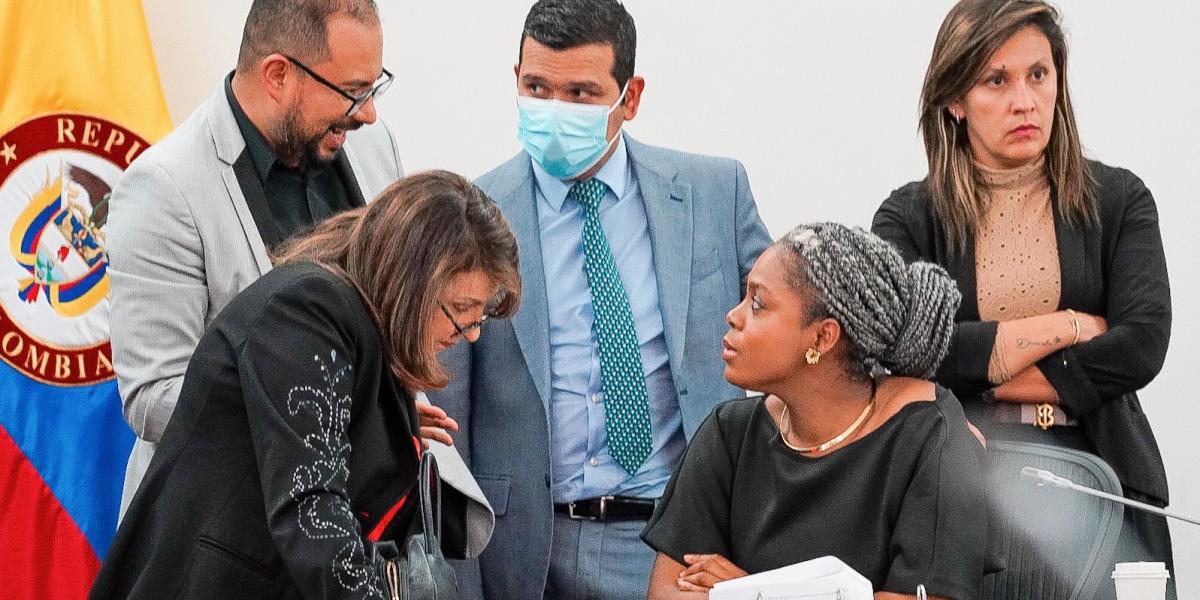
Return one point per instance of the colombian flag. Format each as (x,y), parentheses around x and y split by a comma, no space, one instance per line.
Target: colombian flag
(79,100)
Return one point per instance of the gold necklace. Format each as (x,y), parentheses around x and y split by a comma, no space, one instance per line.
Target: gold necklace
(783,433)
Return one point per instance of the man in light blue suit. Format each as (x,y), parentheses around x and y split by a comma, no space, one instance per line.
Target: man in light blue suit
(575,413)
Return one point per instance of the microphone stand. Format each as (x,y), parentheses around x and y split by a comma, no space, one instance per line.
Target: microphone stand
(1045,477)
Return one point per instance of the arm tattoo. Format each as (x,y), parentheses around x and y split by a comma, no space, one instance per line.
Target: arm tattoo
(1026,342)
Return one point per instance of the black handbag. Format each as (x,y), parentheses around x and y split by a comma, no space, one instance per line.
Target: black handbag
(421,572)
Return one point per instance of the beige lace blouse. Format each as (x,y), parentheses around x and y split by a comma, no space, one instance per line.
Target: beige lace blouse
(1016,250)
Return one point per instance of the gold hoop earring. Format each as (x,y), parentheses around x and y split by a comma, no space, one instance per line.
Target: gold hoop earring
(812,356)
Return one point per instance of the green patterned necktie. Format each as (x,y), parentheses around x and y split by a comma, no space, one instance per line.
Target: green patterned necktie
(626,410)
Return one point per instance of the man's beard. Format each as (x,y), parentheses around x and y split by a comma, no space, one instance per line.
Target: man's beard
(293,148)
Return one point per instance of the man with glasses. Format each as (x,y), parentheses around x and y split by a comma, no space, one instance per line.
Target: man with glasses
(270,154)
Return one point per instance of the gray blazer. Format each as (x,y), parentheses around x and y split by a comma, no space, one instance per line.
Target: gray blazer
(705,232)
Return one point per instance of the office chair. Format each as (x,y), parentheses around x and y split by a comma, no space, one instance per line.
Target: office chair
(1056,544)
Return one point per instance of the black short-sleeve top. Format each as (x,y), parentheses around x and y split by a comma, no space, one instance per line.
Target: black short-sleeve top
(903,505)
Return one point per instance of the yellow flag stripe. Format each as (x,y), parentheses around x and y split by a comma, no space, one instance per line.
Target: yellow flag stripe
(85,56)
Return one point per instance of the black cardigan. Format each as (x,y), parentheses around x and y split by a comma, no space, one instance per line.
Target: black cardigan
(1114,268)
(290,451)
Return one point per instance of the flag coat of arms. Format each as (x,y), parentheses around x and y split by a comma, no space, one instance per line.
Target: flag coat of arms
(79,100)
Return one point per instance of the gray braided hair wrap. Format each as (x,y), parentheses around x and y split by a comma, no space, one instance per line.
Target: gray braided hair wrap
(897,317)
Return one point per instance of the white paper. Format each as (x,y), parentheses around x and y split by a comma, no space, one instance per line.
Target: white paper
(825,578)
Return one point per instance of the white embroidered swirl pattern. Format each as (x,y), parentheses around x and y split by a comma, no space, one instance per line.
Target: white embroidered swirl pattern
(323,516)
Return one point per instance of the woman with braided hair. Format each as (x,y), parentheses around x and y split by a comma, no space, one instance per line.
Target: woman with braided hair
(851,451)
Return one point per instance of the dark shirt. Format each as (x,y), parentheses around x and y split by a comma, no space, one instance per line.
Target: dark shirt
(296,200)
(903,506)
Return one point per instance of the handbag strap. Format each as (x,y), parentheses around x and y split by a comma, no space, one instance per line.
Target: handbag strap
(430,486)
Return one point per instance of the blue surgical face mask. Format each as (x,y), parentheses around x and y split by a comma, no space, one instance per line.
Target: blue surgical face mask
(565,138)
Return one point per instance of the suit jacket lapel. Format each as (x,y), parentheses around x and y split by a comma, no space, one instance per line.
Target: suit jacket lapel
(227,139)
(961,266)
(668,203)
(255,199)
(1072,260)
(532,321)
(345,169)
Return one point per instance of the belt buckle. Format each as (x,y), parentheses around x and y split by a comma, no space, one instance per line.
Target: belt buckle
(597,517)
(1045,416)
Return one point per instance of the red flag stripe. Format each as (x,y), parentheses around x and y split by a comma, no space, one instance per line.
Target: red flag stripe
(43,554)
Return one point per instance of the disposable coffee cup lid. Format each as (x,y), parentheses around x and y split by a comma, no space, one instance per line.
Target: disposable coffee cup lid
(1141,570)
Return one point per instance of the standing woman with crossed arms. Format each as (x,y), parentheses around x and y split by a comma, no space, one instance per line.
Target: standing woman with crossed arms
(1066,308)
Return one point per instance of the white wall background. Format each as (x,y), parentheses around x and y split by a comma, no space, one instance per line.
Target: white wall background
(818,99)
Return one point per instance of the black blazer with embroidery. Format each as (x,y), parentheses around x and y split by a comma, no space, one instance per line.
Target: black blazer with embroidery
(291,449)
(1113,267)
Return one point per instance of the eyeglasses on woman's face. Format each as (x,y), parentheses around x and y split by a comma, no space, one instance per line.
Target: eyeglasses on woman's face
(463,330)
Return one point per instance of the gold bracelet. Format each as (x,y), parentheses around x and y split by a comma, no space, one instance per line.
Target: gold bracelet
(1075,323)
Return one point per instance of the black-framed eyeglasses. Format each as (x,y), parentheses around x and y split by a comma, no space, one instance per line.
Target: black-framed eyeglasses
(356,102)
(463,330)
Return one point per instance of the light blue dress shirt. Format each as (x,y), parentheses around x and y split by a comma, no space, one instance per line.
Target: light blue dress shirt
(580,462)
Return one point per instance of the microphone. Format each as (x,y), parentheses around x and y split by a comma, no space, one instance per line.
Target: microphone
(1045,477)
